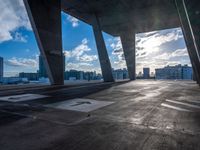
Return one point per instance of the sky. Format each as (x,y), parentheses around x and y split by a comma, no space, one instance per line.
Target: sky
(19,48)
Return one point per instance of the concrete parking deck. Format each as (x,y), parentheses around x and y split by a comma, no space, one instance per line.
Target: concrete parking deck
(144,115)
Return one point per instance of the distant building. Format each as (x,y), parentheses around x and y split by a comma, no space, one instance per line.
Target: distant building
(81,75)
(42,67)
(146,73)
(139,75)
(187,72)
(174,72)
(74,75)
(120,74)
(14,80)
(1,68)
(29,76)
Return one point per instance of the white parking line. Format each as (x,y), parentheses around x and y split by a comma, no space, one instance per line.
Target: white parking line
(174,107)
(181,103)
(193,101)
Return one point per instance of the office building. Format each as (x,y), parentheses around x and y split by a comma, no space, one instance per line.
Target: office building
(146,73)
(120,74)
(42,68)
(174,72)
(73,75)
(29,76)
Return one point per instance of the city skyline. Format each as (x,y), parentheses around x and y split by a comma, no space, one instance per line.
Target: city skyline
(19,49)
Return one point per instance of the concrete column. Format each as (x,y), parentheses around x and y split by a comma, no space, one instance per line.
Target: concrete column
(128,44)
(195,69)
(102,52)
(45,17)
(188,34)
(192,8)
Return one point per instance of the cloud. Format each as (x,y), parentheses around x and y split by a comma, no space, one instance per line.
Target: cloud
(78,51)
(160,48)
(74,21)
(67,54)
(80,66)
(158,38)
(22,62)
(117,52)
(12,17)
(180,53)
(153,49)
(170,55)
(78,57)
(88,58)
(18,37)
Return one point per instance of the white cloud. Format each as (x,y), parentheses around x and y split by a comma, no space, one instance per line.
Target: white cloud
(74,21)
(78,51)
(117,52)
(67,54)
(169,55)
(80,66)
(22,62)
(13,16)
(150,51)
(18,37)
(78,58)
(156,39)
(180,53)
(88,58)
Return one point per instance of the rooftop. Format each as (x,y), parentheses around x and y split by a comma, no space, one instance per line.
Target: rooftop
(139,115)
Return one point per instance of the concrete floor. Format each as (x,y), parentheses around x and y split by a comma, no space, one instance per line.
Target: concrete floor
(145,115)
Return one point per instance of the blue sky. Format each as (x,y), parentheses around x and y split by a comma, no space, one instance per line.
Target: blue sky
(19,49)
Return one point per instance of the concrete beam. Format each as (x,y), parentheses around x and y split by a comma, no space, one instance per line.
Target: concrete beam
(128,44)
(102,52)
(193,13)
(194,66)
(45,17)
(188,35)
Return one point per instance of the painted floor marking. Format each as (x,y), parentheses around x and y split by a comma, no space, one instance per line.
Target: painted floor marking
(174,107)
(22,97)
(181,103)
(79,104)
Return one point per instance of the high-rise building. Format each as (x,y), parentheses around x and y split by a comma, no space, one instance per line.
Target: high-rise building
(187,72)
(146,73)
(174,72)
(74,74)
(29,76)
(42,69)
(1,68)
(120,74)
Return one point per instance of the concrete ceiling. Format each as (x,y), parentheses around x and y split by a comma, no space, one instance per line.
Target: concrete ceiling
(116,16)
